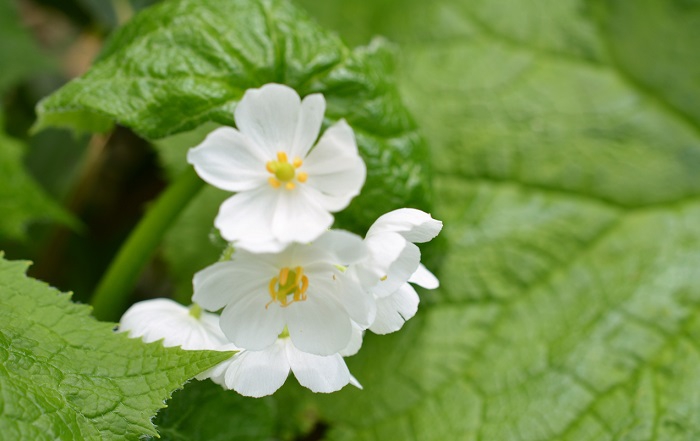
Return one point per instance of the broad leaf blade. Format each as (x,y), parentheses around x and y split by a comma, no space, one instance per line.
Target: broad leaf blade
(65,375)
(567,168)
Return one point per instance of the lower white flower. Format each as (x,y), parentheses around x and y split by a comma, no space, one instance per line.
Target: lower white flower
(175,324)
(302,288)
(394,261)
(261,373)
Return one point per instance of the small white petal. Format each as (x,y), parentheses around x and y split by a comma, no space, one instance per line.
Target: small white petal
(335,167)
(354,382)
(423,277)
(358,302)
(415,225)
(318,325)
(384,250)
(269,117)
(309,125)
(355,341)
(227,160)
(344,246)
(217,285)
(299,217)
(394,310)
(249,324)
(320,374)
(248,217)
(258,373)
(167,320)
(400,271)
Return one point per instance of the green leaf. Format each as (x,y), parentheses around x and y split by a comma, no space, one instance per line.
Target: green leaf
(567,147)
(21,198)
(183,63)
(64,375)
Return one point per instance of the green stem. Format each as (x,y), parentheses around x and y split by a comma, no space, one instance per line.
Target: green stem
(112,294)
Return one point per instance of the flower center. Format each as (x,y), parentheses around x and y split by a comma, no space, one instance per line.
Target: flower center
(284,172)
(289,287)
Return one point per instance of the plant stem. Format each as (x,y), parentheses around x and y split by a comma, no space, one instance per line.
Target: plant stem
(112,293)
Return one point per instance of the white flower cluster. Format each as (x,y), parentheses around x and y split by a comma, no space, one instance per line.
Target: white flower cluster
(294,295)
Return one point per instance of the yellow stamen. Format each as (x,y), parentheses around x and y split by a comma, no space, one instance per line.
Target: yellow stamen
(383,278)
(284,172)
(284,274)
(274,182)
(289,283)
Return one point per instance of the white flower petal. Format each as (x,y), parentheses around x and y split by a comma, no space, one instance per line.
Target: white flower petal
(269,117)
(249,324)
(335,167)
(217,285)
(423,277)
(354,382)
(394,310)
(227,160)
(355,341)
(320,374)
(167,320)
(247,217)
(359,303)
(299,217)
(258,373)
(415,225)
(384,249)
(400,271)
(318,325)
(344,246)
(309,125)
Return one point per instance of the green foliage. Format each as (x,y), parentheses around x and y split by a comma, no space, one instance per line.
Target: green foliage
(21,198)
(64,375)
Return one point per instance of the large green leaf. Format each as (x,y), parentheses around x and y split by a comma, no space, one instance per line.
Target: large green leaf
(180,64)
(66,376)
(567,149)
(21,199)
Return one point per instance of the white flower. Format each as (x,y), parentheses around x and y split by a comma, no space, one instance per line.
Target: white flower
(260,373)
(175,324)
(393,254)
(303,288)
(285,189)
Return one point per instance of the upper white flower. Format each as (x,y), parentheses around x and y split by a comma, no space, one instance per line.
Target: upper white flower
(285,189)
(260,373)
(304,288)
(394,261)
(175,324)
